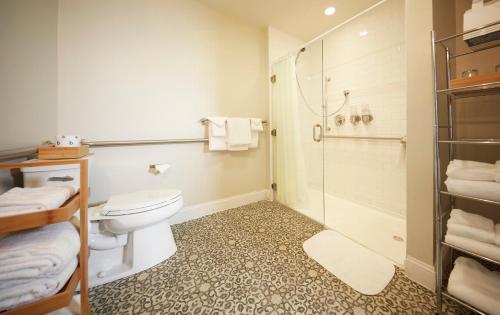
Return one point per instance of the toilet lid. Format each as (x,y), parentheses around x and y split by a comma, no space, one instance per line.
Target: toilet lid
(141,200)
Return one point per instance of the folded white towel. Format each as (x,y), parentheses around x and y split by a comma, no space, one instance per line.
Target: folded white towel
(488,250)
(239,135)
(14,293)
(472,170)
(217,134)
(470,225)
(459,216)
(477,189)
(480,235)
(20,200)
(38,252)
(476,285)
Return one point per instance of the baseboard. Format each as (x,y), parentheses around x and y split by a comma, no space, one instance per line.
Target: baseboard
(200,210)
(420,272)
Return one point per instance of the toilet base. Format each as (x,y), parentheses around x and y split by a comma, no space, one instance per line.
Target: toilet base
(144,249)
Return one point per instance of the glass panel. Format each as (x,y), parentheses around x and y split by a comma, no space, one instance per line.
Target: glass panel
(365,180)
(297,102)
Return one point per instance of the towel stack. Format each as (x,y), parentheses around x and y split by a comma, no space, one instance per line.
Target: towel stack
(233,134)
(36,263)
(476,285)
(474,233)
(474,179)
(21,200)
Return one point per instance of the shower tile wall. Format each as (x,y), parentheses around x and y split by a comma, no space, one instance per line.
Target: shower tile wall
(367,57)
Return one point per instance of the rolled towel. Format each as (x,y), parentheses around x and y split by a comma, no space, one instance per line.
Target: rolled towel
(471,225)
(471,282)
(21,200)
(14,293)
(472,170)
(484,249)
(38,252)
(477,189)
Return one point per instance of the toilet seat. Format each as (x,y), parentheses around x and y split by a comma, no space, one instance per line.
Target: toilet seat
(140,201)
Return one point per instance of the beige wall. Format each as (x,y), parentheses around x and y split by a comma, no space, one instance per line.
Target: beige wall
(151,69)
(28,75)
(28,68)
(420,133)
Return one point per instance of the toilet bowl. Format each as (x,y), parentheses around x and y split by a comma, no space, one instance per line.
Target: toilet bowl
(131,233)
(127,234)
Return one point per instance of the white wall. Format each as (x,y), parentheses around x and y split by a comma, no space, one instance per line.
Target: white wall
(373,69)
(135,70)
(280,44)
(28,68)
(151,69)
(28,75)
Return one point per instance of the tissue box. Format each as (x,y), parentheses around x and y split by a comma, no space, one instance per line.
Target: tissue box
(49,152)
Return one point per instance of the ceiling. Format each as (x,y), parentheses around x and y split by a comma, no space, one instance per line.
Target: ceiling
(303,19)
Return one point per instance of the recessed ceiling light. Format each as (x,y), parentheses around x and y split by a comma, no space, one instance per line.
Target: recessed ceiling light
(330,10)
(363,33)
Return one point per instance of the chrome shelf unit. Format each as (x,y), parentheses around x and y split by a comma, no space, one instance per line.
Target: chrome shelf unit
(442,210)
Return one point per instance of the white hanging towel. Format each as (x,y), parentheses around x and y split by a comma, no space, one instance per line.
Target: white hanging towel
(256,128)
(239,135)
(473,283)
(217,133)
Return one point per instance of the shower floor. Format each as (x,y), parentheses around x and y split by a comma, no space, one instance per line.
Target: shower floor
(381,232)
(250,260)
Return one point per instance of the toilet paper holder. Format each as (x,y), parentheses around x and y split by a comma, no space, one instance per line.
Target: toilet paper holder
(157,169)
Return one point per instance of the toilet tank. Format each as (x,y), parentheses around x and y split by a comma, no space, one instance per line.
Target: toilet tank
(54,175)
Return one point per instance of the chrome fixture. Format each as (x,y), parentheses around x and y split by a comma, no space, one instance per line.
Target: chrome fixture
(366,116)
(339,120)
(355,119)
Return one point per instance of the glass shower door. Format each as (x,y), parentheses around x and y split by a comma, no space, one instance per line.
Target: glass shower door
(297,116)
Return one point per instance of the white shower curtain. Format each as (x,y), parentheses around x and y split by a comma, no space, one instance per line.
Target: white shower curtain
(289,167)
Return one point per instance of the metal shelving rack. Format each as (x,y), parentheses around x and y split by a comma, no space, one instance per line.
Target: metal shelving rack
(450,142)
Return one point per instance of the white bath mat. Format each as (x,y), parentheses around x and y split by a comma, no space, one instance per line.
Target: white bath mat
(365,271)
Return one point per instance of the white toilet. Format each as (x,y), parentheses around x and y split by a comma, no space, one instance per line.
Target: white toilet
(127,234)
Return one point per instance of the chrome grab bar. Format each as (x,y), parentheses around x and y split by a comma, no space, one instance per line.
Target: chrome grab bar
(315,127)
(400,139)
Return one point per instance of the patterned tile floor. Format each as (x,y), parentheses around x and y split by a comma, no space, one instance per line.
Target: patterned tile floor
(249,260)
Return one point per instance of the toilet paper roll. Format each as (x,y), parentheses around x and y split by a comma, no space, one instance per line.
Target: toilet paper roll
(68,141)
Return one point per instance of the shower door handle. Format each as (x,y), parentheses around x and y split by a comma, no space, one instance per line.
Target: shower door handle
(316,137)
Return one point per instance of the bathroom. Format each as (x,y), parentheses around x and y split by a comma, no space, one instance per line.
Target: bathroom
(345,178)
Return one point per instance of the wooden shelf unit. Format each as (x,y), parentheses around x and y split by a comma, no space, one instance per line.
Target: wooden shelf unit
(36,219)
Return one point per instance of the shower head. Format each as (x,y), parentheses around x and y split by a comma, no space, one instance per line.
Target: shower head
(298,54)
